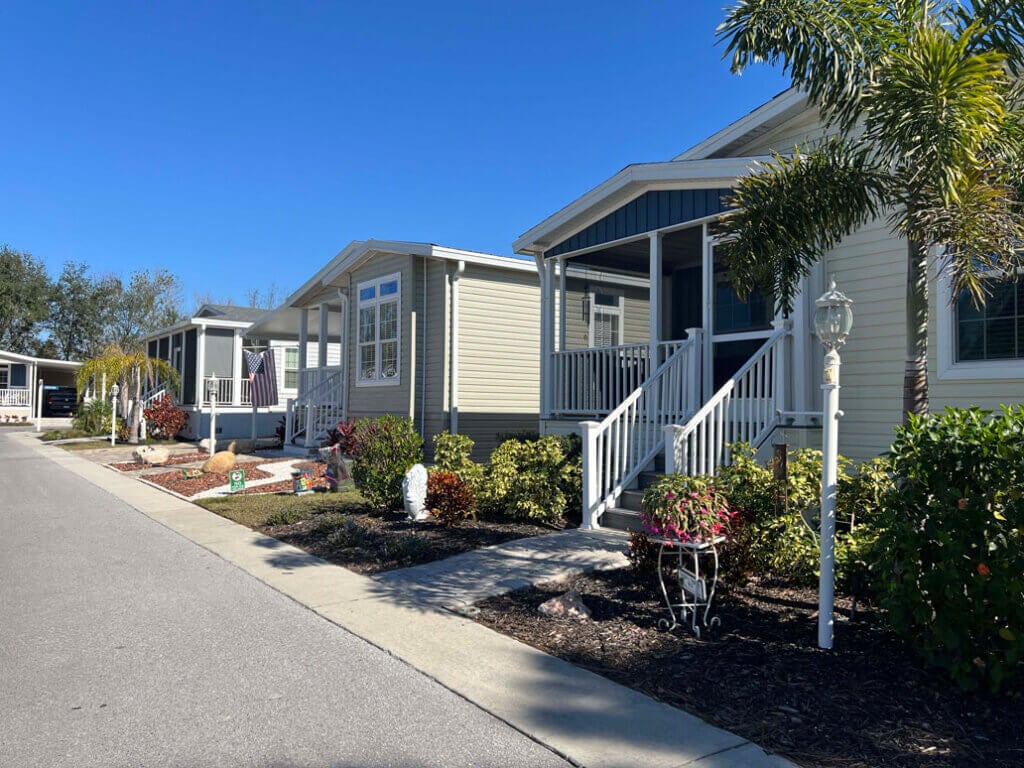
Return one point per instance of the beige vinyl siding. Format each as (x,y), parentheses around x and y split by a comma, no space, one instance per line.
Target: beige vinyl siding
(432,330)
(499,352)
(376,400)
(635,309)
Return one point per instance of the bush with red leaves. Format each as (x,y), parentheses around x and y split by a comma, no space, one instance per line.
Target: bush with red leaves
(344,436)
(164,419)
(449,498)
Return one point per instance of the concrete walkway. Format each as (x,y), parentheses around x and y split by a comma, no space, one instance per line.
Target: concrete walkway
(585,717)
(473,576)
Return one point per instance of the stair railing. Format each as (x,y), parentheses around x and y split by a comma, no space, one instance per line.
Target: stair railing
(316,410)
(616,449)
(745,409)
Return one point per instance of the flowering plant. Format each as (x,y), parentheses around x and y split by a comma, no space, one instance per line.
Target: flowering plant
(686,509)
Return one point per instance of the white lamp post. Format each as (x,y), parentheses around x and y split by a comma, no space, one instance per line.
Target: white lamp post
(833,318)
(211,387)
(114,389)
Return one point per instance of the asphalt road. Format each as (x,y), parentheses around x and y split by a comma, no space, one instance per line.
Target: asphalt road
(124,644)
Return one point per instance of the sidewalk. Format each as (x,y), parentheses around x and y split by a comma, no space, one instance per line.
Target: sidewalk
(587,718)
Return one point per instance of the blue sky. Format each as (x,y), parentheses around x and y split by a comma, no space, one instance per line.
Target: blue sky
(243,143)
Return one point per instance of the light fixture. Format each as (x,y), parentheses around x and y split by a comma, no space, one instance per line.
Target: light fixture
(833,317)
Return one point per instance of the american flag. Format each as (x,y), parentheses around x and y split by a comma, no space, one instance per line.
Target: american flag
(262,378)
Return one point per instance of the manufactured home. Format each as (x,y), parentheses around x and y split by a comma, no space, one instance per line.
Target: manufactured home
(716,369)
(21,377)
(207,350)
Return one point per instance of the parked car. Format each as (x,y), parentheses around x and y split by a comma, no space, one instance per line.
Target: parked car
(59,401)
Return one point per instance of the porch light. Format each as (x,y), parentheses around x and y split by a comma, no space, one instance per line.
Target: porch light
(833,317)
(114,389)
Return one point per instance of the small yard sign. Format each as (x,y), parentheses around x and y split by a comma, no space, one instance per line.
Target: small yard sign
(191,474)
(237,479)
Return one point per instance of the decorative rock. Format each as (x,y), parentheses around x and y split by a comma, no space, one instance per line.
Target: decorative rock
(221,461)
(568,605)
(414,492)
(156,455)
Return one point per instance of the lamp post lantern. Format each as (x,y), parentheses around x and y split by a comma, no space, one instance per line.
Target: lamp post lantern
(833,319)
(114,389)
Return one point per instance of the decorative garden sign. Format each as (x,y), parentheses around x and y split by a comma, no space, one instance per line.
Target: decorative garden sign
(236,477)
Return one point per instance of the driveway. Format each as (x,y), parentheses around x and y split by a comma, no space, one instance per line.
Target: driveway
(124,644)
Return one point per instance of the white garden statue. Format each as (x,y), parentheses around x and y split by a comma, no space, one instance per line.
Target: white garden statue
(414,491)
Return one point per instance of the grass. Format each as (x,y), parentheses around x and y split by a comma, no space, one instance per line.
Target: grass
(255,510)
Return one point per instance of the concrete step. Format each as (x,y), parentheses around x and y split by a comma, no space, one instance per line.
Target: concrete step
(621,520)
(647,479)
(630,500)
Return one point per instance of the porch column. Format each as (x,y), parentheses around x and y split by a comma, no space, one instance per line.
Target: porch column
(303,339)
(321,339)
(201,367)
(561,305)
(654,326)
(236,369)
(343,350)
(546,334)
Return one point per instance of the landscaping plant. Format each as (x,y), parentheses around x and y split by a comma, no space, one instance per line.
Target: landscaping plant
(164,419)
(343,436)
(449,498)
(93,418)
(951,571)
(452,454)
(685,509)
(528,480)
(388,447)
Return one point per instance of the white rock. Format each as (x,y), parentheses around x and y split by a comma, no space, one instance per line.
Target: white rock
(568,605)
(414,492)
(151,454)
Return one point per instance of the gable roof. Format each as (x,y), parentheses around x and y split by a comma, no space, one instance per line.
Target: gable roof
(232,313)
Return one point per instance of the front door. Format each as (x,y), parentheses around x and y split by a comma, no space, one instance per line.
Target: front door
(737,328)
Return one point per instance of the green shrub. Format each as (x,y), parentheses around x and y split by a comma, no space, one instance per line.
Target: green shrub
(952,547)
(452,454)
(449,497)
(93,417)
(529,480)
(685,509)
(388,447)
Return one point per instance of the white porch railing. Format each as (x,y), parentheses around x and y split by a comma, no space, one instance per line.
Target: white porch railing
(745,408)
(226,390)
(616,449)
(311,378)
(593,381)
(316,409)
(15,397)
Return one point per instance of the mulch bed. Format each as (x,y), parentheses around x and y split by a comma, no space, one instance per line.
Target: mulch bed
(372,543)
(177,482)
(868,704)
(318,468)
(180,458)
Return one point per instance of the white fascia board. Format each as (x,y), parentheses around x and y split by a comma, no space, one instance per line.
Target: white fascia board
(18,358)
(790,100)
(184,325)
(213,322)
(629,183)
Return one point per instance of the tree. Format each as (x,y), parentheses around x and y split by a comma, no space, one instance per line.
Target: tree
(79,311)
(24,290)
(151,300)
(131,369)
(268,299)
(924,109)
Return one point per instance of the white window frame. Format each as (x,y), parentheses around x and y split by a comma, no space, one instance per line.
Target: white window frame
(606,309)
(376,301)
(949,369)
(5,368)
(285,367)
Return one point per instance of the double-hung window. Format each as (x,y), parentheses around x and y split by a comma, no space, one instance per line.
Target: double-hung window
(5,377)
(605,320)
(378,342)
(291,367)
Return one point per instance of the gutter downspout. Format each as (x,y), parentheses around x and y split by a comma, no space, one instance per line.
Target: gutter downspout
(453,376)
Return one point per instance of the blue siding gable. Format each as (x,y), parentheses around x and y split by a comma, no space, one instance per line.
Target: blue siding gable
(650,211)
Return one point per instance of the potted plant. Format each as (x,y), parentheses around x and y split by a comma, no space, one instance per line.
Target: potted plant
(688,510)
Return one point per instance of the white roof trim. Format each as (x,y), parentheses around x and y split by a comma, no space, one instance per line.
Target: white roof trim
(37,360)
(631,182)
(790,100)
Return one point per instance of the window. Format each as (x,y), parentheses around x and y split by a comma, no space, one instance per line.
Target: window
(378,327)
(733,315)
(291,367)
(605,320)
(994,331)
(5,377)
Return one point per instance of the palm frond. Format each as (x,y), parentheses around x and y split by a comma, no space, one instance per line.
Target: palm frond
(994,25)
(790,211)
(829,48)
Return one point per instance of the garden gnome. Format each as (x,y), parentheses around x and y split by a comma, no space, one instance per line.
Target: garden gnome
(221,461)
(414,491)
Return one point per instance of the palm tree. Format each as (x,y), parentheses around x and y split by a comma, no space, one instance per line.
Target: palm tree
(131,369)
(923,109)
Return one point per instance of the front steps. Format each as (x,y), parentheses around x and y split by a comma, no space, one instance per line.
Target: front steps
(626,516)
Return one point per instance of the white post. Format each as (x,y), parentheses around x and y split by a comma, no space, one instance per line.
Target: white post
(561,304)
(321,338)
(303,342)
(693,397)
(236,369)
(39,407)
(308,439)
(654,322)
(547,335)
(213,415)
(103,388)
(201,368)
(590,485)
(343,351)
(113,415)
(669,433)
(829,461)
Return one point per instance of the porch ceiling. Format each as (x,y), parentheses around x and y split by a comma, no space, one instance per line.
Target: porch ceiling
(284,322)
(680,248)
